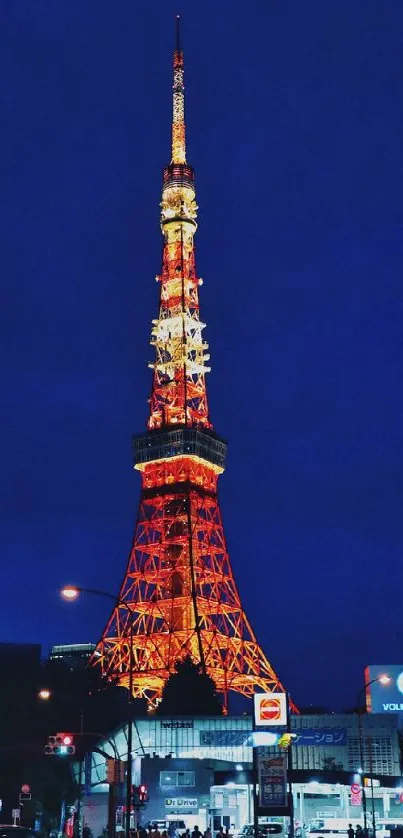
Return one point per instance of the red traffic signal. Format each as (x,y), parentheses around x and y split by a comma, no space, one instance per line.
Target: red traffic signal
(60,745)
(143,794)
(140,796)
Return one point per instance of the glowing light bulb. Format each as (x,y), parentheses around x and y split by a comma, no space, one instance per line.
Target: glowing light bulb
(44,694)
(70,592)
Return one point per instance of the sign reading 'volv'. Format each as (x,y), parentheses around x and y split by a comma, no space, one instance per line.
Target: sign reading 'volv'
(384,694)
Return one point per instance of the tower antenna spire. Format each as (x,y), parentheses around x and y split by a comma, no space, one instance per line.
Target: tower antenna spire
(178,118)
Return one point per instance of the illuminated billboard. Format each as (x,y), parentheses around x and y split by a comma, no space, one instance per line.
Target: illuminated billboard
(383,696)
(270,709)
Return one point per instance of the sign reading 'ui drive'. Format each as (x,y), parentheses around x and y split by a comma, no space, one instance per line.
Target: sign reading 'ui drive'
(270,709)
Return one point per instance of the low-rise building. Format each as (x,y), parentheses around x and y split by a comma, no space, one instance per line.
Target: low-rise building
(73,655)
(200,769)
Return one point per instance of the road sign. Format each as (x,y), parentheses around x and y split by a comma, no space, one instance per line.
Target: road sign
(356,799)
(25,789)
(270,709)
(355,794)
(16,816)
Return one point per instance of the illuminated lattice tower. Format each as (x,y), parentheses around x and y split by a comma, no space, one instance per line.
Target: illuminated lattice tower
(179,590)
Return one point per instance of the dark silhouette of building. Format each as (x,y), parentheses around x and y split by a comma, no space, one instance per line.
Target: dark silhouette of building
(72,655)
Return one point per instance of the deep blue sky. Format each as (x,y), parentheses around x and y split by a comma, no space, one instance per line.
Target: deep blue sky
(295,129)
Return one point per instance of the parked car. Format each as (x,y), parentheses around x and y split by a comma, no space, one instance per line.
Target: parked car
(174,828)
(10,831)
(265,830)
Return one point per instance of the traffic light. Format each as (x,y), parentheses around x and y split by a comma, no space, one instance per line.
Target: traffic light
(110,771)
(143,794)
(140,796)
(61,745)
(120,768)
(115,771)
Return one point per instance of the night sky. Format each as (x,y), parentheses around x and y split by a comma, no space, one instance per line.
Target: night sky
(295,129)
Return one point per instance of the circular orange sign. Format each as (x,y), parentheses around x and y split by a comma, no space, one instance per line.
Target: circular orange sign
(270,709)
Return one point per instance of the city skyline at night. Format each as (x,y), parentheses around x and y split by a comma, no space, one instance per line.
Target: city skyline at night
(296,139)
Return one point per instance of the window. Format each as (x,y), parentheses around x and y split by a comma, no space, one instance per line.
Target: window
(167,779)
(177,779)
(186,778)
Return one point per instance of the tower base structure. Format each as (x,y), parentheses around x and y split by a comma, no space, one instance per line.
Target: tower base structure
(179,588)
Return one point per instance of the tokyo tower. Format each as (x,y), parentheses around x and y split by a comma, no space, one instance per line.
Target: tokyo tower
(179,596)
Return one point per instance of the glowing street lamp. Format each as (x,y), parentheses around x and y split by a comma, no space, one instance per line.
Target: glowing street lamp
(44,694)
(70,592)
(384,679)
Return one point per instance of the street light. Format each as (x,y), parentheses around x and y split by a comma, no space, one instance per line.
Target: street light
(44,694)
(383,679)
(70,593)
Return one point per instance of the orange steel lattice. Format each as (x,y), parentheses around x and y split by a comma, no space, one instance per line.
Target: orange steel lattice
(178,595)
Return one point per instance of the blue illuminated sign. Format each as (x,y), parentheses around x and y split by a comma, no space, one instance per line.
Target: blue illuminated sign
(325,736)
(303,737)
(224,738)
(384,697)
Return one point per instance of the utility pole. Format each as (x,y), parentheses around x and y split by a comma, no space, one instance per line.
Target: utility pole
(129,764)
(289,767)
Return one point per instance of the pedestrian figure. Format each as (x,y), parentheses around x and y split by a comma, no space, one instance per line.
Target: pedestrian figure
(207,833)
(196,833)
(350,831)
(359,832)
(87,832)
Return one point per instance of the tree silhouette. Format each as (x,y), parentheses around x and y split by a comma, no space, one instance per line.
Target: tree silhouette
(189,692)
(81,700)
(330,764)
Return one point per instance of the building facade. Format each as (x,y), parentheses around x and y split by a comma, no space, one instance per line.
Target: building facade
(73,655)
(198,770)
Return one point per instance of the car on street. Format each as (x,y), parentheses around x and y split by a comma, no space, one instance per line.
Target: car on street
(11,831)
(265,830)
(174,828)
